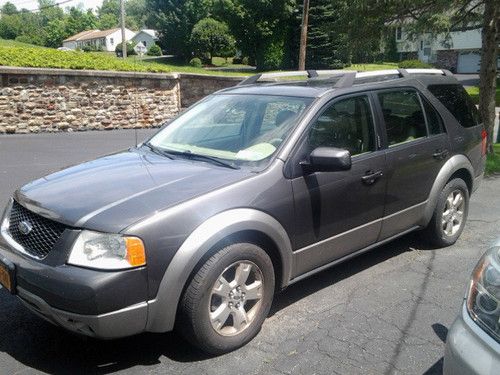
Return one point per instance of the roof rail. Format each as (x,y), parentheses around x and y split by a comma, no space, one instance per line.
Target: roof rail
(347,76)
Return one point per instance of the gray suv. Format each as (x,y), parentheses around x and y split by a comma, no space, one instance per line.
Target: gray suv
(252,189)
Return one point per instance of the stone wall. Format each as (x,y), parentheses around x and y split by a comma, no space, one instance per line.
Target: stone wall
(196,86)
(52,100)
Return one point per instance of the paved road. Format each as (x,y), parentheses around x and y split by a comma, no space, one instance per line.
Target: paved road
(385,312)
(468,79)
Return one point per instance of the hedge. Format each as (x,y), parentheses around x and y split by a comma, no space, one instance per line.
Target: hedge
(49,58)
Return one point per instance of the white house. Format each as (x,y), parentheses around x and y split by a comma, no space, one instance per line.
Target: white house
(148,37)
(459,52)
(105,40)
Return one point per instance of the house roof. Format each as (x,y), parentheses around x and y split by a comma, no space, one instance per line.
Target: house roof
(92,34)
(150,32)
(79,35)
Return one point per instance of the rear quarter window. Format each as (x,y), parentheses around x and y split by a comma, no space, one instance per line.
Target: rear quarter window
(458,102)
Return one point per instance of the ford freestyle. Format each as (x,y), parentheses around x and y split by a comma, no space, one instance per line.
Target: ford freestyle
(250,190)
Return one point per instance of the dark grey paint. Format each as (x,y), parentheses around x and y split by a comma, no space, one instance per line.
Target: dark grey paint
(327,215)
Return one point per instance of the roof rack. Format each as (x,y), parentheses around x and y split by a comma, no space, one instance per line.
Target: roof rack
(347,77)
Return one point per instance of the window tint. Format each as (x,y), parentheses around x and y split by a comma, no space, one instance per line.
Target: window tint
(346,124)
(458,102)
(403,116)
(434,120)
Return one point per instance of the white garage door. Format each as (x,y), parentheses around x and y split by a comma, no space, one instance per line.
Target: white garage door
(469,62)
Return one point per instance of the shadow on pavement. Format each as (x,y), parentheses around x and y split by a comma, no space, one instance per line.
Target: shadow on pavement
(41,346)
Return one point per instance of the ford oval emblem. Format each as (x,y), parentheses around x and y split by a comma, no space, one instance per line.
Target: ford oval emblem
(25,227)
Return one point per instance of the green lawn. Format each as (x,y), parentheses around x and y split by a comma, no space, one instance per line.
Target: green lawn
(474,93)
(369,67)
(493,161)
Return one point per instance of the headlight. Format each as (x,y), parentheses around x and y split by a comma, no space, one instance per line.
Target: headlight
(107,251)
(483,296)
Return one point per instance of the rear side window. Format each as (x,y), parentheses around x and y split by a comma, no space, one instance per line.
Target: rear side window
(434,120)
(458,102)
(403,116)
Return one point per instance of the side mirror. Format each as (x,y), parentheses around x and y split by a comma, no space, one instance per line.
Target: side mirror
(329,159)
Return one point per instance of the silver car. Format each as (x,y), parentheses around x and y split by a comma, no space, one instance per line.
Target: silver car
(473,343)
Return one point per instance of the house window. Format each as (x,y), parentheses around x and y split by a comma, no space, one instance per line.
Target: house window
(421,45)
(399,33)
(112,41)
(145,43)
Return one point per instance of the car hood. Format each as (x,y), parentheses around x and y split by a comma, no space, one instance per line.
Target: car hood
(116,191)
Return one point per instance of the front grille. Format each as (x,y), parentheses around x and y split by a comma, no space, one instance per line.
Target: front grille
(44,233)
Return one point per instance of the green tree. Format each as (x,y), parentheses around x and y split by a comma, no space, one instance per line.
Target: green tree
(8,9)
(261,27)
(78,20)
(211,38)
(174,20)
(109,14)
(10,26)
(444,16)
(327,40)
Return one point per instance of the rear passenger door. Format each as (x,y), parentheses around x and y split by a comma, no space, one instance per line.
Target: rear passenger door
(417,148)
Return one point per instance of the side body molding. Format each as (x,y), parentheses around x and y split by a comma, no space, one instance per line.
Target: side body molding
(454,164)
(163,309)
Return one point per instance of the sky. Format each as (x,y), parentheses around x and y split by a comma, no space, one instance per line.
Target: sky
(33,4)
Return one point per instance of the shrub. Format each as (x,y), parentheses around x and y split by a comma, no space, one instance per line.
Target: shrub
(130,49)
(415,64)
(50,58)
(195,63)
(245,61)
(154,50)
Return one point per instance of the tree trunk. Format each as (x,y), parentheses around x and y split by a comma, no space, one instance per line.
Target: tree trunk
(488,71)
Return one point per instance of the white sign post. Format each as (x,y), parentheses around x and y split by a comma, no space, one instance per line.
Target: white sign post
(140,49)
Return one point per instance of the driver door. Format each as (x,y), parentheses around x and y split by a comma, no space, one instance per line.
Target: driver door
(340,212)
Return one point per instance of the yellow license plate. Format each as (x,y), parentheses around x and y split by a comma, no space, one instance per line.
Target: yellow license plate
(5,278)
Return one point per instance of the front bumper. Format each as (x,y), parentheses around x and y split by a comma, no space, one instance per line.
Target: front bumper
(95,303)
(470,350)
(125,322)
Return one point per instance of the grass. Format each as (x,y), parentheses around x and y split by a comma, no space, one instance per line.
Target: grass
(474,93)
(369,67)
(493,161)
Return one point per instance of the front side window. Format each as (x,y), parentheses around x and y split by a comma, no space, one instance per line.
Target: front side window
(346,124)
(239,128)
(403,116)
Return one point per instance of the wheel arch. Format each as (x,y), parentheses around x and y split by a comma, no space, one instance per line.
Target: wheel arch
(457,166)
(243,224)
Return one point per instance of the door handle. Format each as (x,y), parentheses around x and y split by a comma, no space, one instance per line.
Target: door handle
(370,177)
(440,154)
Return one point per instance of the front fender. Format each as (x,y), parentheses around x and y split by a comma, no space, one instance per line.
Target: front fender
(163,309)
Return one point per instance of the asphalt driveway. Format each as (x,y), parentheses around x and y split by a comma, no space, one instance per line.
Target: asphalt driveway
(385,312)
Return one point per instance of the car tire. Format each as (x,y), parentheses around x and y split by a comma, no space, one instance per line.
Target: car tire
(450,214)
(233,285)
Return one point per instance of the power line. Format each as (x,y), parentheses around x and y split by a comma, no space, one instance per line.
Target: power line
(46,6)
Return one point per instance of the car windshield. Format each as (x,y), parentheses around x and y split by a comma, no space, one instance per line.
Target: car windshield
(241,129)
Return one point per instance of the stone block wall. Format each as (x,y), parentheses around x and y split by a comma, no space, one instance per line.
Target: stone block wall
(196,86)
(36,100)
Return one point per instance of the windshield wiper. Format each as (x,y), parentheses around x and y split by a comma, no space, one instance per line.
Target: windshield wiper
(191,155)
(158,151)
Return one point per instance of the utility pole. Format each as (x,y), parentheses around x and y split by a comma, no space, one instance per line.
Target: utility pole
(122,25)
(303,36)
